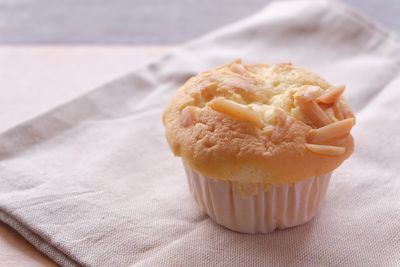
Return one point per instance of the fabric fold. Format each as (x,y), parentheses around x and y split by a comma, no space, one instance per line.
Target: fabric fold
(139,212)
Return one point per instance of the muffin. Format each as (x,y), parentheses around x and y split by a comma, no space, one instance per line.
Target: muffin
(259,142)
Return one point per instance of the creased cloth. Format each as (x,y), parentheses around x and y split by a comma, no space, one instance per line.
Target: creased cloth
(94,183)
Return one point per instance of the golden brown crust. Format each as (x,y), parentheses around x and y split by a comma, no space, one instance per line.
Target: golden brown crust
(247,124)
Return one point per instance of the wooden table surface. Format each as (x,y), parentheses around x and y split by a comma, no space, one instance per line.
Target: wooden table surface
(34,79)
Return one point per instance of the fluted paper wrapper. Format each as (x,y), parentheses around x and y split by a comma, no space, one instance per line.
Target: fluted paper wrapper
(278,207)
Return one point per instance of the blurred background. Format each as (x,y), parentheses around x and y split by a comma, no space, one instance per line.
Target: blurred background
(140,22)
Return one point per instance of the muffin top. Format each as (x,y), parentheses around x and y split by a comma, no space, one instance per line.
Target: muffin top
(255,123)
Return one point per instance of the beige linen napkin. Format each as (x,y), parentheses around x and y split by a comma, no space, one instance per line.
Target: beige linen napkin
(94,183)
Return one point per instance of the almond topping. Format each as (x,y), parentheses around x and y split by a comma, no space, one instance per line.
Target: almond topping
(201,85)
(188,117)
(332,94)
(337,108)
(326,150)
(331,131)
(307,93)
(314,113)
(207,93)
(345,108)
(311,93)
(239,69)
(283,124)
(268,129)
(236,110)
(331,113)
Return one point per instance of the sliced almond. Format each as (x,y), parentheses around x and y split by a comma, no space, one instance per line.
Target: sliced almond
(209,91)
(331,113)
(337,108)
(332,94)
(188,116)
(238,68)
(326,150)
(331,131)
(269,114)
(201,85)
(196,97)
(283,124)
(268,129)
(346,110)
(188,101)
(314,113)
(311,92)
(235,110)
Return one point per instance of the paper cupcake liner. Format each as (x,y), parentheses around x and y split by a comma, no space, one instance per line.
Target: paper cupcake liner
(281,206)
